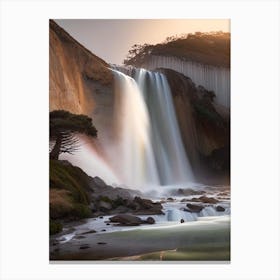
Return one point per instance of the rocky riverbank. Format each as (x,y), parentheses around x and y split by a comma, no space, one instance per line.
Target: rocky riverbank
(192,208)
(90,220)
(74,195)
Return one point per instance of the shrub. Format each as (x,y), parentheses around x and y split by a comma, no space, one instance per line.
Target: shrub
(105,199)
(81,211)
(54,227)
(119,202)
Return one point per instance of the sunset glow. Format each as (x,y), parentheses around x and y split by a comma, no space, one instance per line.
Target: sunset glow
(111,39)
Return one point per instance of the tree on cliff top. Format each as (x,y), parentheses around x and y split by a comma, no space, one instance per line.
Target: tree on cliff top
(64,126)
(211,48)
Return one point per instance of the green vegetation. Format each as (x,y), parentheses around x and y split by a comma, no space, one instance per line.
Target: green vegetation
(69,185)
(69,177)
(55,227)
(119,202)
(63,129)
(105,199)
(69,191)
(211,48)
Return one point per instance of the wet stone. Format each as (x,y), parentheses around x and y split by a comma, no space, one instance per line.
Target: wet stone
(85,246)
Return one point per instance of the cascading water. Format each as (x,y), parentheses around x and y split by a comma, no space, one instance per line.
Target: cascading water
(146,150)
(171,160)
(149,145)
(135,164)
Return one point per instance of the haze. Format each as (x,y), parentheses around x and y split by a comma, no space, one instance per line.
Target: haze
(110,39)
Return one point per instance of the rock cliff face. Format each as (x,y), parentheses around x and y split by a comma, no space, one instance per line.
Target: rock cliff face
(216,79)
(204,126)
(79,81)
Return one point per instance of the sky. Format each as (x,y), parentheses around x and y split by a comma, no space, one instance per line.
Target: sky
(111,39)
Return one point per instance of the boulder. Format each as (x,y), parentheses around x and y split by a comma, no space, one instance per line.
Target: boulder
(79,237)
(150,220)
(170,199)
(85,246)
(109,204)
(220,208)
(206,199)
(195,199)
(92,207)
(126,219)
(105,206)
(133,205)
(101,189)
(144,203)
(146,206)
(89,232)
(193,208)
(121,209)
(98,182)
(62,239)
(188,192)
(125,193)
(223,193)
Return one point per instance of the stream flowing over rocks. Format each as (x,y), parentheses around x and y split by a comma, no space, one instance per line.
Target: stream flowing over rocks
(186,206)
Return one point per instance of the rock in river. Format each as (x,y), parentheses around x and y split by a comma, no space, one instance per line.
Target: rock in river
(85,246)
(206,199)
(89,232)
(193,208)
(150,220)
(220,208)
(126,220)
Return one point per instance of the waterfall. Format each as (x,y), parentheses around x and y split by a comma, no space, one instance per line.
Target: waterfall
(134,154)
(146,150)
(211,77)
(172,163)
(149,146)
